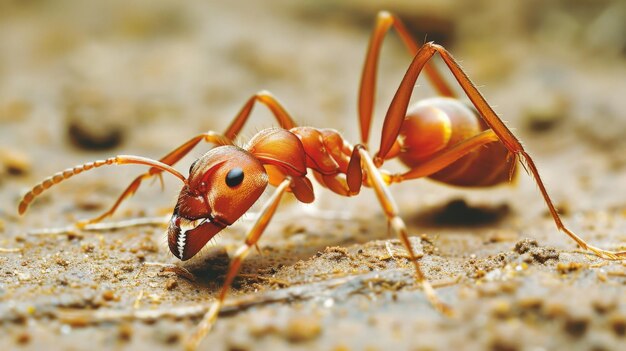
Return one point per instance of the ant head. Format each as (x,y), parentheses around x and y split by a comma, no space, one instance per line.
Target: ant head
(222,185)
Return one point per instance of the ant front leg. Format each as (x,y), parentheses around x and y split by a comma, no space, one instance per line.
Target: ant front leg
(170,159)
(391,211)
(264,97)
(235,265)
(367,89)
(397,111)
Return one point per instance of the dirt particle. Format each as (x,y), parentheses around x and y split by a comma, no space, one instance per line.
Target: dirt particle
(554,309)
(530,303)
(87,247)
(293,228)
(15,110)
(525,245)
(61,262)
(565,268)
(86,127)
(171,284)
(23,338)
(78,322)
(125,332)
(546,111)
(148,245)
(501,309)
(502,345)
(542,255)
(91,202)
(336,253)
(576,326)
(618,324)
(15,162)
(533,252)
(604,305)
(166,335)
(108,295)
(303,328)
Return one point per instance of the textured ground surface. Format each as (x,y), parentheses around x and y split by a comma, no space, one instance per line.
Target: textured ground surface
(80,82)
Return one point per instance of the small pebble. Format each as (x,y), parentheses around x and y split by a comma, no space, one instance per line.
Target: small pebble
(501,309)
(576,326)
(108,295)
(303,328)
(546,111)
(92,121)
(125,332)
(565,268)
(23,338)
(15,162)
(618,323)
(171,284)
(525,245)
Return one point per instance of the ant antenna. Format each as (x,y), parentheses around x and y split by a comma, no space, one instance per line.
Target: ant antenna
(70,172)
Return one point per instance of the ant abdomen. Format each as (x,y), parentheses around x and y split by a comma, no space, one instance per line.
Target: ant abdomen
(437,124)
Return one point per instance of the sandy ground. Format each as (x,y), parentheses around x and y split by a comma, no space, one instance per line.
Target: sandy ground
(81,81)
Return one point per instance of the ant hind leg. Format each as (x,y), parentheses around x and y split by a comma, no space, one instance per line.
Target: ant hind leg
(397,111)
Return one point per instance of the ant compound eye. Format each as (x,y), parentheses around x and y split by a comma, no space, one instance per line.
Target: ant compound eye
(234,177)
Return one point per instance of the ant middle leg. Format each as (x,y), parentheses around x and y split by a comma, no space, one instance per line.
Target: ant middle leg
(390,208)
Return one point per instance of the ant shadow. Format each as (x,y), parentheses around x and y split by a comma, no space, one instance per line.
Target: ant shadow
(314,235)
(457,213)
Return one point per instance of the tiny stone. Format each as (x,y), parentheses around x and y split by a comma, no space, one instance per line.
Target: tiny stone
(108,295)
(525,245)
(576,326)
(23,338)
(618,323)
(15,162)
(303,328)
(171,284)
(125,332)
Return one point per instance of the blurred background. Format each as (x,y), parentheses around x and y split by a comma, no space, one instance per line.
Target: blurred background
(84,80)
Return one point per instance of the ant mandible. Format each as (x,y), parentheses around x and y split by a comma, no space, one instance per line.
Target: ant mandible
(441,138)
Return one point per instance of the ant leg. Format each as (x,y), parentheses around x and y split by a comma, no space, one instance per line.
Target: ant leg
(177,154)
(397,111)
(515,147)
(391,211)
(384,21)
(265,97)
(444,158)
(169,159)
(235,265)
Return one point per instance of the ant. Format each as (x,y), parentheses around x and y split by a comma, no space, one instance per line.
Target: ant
(441,138)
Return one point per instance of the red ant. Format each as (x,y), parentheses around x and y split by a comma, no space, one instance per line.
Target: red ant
(441,138)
